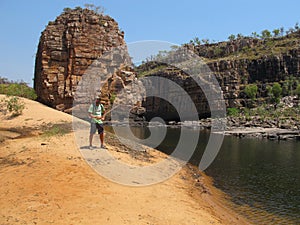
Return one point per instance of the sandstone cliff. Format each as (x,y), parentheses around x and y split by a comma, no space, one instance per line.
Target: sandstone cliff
(235,64)
(67,47)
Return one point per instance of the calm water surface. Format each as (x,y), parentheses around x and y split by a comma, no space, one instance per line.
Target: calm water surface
(260,176)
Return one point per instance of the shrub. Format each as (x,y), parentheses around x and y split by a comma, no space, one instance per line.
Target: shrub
(251,91)
(97,9)
(233,112)
(218,51)
(78,8)
(247,113)
(18,89)
(289,85)
(67,9)
(12,105)
(269,91)
(276,91)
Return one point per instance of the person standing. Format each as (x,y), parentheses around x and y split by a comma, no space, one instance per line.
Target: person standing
(96,113)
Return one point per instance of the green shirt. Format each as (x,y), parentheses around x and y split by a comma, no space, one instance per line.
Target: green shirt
(96,111)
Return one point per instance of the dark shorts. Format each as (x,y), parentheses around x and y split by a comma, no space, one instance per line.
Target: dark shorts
(96,126)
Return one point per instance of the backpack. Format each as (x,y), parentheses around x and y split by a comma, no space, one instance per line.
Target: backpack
(94,108)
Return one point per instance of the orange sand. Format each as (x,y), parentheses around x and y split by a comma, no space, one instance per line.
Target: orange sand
(45,180)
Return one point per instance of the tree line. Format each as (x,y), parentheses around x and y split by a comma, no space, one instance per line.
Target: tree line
(264,34)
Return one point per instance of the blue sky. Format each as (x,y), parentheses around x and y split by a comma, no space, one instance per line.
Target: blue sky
(178,22)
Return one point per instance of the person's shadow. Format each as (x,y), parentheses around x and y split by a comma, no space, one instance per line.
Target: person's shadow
(85,147)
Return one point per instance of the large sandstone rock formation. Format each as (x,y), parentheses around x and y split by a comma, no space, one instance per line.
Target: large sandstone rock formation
(67,47)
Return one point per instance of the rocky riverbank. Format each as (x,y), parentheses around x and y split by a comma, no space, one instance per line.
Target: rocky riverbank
(273,129)
(274,122)
(255,127)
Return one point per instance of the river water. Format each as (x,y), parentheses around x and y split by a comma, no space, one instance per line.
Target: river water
(261,177)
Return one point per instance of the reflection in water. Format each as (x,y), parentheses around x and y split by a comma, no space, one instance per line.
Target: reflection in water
(260,176)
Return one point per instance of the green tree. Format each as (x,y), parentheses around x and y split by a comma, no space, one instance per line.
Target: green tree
(196,41)
(276,32)
(205,41)
(276,91)
(255,35)
(266,34)
(251,91)
(231,37)
(78,8)
(67,9)
(289,85)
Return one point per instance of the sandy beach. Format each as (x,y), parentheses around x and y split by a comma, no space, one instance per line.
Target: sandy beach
(46,180)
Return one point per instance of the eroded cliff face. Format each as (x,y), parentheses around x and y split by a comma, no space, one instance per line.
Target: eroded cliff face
(67,47)
(171,102)
(235,64)
(234,75)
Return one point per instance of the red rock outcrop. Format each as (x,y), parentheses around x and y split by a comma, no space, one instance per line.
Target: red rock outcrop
(67,47)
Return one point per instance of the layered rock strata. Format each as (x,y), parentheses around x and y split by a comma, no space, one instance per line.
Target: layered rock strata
(233,71)
(67,47)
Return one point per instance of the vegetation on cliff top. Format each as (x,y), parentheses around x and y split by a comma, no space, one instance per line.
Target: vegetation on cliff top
(248,47)
(265,34)
(237,47)
(97,9)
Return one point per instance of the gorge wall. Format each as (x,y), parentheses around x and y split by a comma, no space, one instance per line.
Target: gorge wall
(234,75)
(235,64)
